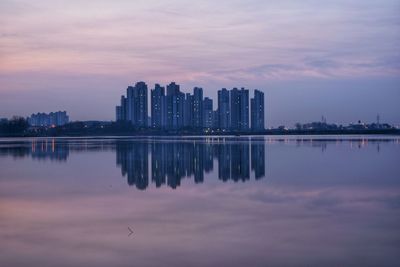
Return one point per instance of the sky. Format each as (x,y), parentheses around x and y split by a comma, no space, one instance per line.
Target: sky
(338,59)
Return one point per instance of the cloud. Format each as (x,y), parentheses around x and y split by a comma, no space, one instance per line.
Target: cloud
(206,43)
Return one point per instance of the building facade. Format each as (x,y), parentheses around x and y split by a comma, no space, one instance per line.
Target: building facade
(239,109)
(208,114)
(257,111)
(171,109)
(133,107)
(188,114)
(223,109)
(198,107)
(51,119)
(157,106)
(175,102)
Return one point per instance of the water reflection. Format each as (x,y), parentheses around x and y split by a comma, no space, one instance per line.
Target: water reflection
(170,160)
(38,150)
(166,161)
(339,197)
(173,161)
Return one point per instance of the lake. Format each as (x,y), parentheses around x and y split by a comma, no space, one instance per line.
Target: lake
(200,201)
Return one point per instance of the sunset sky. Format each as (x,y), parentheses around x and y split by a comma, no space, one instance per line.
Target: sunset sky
(340,59)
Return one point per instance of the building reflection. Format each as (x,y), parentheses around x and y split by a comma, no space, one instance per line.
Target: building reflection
(49,149)
(172,161)
(52,148)
(166,161)
(162,162)
(133,160)
(43,149)
(258,156)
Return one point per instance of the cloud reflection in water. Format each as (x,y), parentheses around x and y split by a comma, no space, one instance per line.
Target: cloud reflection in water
(308,209)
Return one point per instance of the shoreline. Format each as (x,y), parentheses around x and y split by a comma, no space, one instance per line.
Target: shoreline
(390,132)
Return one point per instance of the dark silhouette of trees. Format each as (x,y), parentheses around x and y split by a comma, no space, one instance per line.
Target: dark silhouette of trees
(17,125)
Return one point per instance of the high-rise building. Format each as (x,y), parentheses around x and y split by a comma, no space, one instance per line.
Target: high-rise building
(118,113)
(121,110)
(172,89)
(197,107)
(157,106)
(175,101)
(60,117)
(207,113)
(130,105)
(172,109)
(235,106)
(52,119)
(188,113)
(140,105)
(239,109)
(133,107)
(257,111)
(216,119)
(223,109)
(178,110)
(244,110)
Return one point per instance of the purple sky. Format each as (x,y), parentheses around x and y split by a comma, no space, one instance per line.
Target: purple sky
(340,59)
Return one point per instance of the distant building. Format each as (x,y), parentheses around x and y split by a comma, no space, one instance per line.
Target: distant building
(140,97)
(197,107)
(157,106)
(122,110)
(257,111)
(133,107)
(223,109)
(208,113)
(118,112)
(239,109)
(175,101)
(171,109)
(129,105)
(51,119)
(235,108)
(244,110)
(188,113)
(216,119)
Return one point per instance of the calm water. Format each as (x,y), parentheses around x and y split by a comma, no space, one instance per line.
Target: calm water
(232,201)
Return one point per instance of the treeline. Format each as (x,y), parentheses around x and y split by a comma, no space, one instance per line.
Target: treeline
(16,126)
(112,128)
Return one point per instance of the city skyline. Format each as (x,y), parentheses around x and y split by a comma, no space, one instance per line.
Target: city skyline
(338,59)
(51,119)
(172,109)
(199,133)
